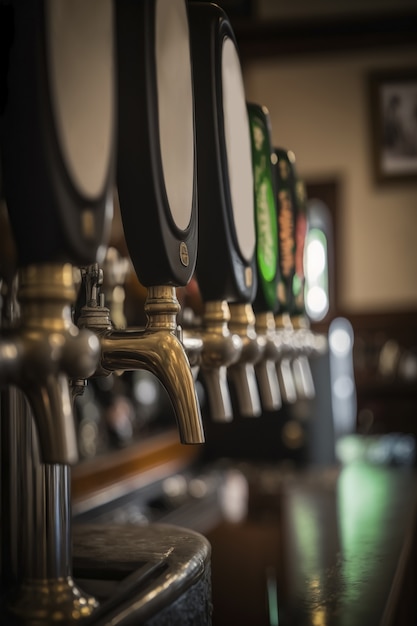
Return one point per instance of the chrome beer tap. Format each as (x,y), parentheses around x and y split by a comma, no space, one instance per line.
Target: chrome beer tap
(57,131)
(156,182)
(226,260)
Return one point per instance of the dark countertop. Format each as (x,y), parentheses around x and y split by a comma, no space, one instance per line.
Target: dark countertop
(140,574)
(320,547)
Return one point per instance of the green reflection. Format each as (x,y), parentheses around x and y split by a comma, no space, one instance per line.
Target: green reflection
(362,499)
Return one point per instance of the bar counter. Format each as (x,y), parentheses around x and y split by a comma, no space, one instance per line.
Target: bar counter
(325,546)
(318,548)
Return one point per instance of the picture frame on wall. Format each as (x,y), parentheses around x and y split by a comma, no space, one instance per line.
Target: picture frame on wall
(393,109)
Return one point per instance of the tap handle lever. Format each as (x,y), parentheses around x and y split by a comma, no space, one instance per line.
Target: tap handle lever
(92,279)
(266,218)
(226,254)
(267,253)
(156,169)
(57,130)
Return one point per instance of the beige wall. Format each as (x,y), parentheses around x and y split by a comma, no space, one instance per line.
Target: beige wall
(319,109)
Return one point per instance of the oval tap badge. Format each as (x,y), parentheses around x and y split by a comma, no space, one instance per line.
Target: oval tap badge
(184,256)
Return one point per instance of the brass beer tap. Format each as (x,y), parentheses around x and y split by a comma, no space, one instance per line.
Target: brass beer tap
(57,140)
(157,348)
(225,265)
(43,351)
(221,349)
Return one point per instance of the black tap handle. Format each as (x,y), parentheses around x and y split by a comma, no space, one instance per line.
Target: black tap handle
(57,129)
(156,171)
(226,254)
(286,206)
(267,253)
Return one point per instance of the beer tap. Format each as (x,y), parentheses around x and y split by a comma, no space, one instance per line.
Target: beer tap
(286,234)
(156,183)
(57,136)
(294,368)
(304,338)
(266,300)
(156,348)
(226,260)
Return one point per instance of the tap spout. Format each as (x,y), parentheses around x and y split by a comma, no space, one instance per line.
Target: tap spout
(242,373)
(161,353)
(221,349)
(265,368)
(157,349)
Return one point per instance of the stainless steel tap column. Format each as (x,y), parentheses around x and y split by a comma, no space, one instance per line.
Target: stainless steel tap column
(226,260)
(57,136)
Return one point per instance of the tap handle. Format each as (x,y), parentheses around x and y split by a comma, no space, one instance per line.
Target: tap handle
(268,268)
(226,254)
(156,169)
(57,129)
(286,205)
(301,226)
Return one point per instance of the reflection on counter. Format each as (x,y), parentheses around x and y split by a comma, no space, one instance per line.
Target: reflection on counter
(315,547)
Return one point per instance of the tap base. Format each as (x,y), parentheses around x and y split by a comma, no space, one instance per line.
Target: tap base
(46,601)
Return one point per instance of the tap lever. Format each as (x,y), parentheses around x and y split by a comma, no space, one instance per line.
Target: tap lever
(156,170)
(58,135)
(268,267)
(92,278)
(93,314)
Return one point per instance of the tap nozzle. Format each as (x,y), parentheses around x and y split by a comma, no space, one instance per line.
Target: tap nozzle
(304,342)
(45,350)
(157,348)
(285,339)
(221,349)
(265,368)
(242,373)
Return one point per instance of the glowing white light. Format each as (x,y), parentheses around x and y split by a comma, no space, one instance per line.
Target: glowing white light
(146,392)
(316,302)
(316,260)
(343,387)
(340,342)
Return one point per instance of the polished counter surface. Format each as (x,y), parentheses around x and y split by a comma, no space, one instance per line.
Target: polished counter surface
(316,548)
(292,547)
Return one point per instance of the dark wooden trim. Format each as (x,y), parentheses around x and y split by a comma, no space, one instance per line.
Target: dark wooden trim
(375,320)
(257,39)
(156,456)
(400,324)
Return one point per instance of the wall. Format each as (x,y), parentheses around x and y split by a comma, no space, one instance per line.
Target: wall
(319,108)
